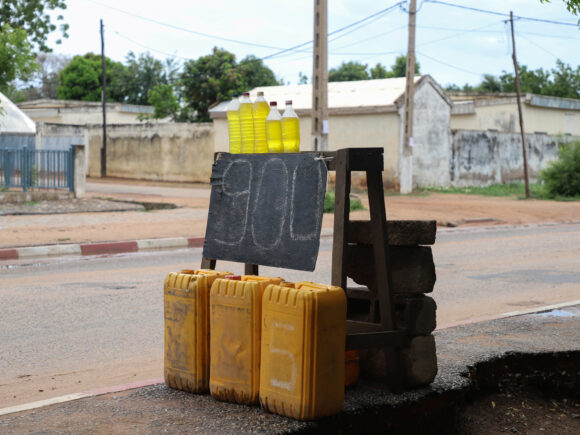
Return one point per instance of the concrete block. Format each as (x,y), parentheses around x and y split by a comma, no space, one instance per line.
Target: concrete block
(412,267)
(416,313)
(174,243)
(418,362)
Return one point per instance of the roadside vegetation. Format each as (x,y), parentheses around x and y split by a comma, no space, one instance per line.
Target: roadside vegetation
(355,203)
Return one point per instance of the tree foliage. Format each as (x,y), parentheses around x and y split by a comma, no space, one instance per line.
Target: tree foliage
(16,58)
(573,6)
(218,77)
(562,177)
(350,71)
(44,82)
(142,73)
(33,16)
(81,79)
(561,81)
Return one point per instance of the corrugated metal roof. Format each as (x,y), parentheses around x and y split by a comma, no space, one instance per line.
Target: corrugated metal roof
(13,120)
(348,95)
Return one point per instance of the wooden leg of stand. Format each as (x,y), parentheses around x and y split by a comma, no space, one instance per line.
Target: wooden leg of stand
(382,272)
(341,218)
(207,263)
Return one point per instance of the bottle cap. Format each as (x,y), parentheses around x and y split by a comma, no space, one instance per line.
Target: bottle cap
(246,94)
(260,94)
(288,101)
(273,103)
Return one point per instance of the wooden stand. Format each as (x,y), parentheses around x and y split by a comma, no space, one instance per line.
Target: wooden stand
(379,331)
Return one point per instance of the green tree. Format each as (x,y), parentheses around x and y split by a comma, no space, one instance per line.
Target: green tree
(164,101)
(348,71)
(379,72)
(35,18)
(81,79)
(141,75)
(255,73)
(210,79)
(16,58)
(490,83)
(44,82)
(302,78)
(399,68)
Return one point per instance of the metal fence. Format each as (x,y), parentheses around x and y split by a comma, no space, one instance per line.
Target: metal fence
(42,169)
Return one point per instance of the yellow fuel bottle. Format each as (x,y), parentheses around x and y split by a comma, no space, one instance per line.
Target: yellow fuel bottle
(246,124)
(274,129)
(260,111)
(290,129)
(303,350)
(234,132)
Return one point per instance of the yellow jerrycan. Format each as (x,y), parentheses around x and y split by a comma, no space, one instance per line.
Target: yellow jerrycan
(186,361)
(303,350)
(235,315)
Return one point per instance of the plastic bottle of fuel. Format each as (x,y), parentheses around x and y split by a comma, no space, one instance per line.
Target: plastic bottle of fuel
(233,115)
(260,112)
(274,129)
(246,124)
(290,129)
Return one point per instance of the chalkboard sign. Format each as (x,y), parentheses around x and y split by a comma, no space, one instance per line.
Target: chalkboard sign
(266,209)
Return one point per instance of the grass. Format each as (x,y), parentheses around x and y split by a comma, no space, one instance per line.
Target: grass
(355,203)
(537,191)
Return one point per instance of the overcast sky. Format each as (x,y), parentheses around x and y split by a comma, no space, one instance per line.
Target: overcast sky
(454,45)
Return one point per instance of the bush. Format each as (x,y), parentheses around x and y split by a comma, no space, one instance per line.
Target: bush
(355,203)
(562,177)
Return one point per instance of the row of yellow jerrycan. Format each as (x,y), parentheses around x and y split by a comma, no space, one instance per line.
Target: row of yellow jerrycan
(250,339)
(255,127)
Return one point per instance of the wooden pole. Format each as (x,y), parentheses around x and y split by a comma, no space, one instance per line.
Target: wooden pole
(104,102)
(527,182)
(320,77)
(406,177)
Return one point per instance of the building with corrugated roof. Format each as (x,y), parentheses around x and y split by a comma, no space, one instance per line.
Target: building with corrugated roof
(369,113)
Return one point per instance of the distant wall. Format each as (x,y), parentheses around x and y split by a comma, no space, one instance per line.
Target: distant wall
(165,152)
(481,158)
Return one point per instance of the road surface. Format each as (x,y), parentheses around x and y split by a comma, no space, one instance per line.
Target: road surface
(71,325)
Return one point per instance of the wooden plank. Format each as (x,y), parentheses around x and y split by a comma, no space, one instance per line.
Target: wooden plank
(354,326)
(365,159)
(412,268)
(400,232)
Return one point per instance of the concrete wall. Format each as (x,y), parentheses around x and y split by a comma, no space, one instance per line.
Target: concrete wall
(165,152)
(502,115)
(348,130)
(431,138)
(480,158)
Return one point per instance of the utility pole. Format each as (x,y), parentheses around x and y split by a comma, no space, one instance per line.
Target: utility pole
(406,166)
(320,77)
(104,102)
(527,182)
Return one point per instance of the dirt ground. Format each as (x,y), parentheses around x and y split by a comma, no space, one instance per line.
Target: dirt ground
(450,210)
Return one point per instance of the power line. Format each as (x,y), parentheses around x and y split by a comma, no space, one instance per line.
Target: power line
(194,32)
(149,48)
(538,46)
(459,33)
(372,37)
(486,11)
(449,65)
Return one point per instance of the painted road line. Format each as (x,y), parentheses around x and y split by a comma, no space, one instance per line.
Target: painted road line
(508,314)
(42,403)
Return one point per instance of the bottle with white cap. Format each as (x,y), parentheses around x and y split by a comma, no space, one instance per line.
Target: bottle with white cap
(260,112)
(246,124)
(290,129)
(274,129)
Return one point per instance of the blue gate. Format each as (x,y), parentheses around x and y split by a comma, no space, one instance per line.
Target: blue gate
(41,169)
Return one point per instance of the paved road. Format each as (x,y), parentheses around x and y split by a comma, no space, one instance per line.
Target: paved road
(71,325)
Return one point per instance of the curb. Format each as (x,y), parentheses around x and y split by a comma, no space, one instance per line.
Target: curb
(100,248)
(104,248)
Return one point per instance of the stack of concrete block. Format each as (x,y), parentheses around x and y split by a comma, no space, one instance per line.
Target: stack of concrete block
(412,275)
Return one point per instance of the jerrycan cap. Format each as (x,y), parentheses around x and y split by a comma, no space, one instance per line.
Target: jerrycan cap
(288,102)
(246,94)
(273,104)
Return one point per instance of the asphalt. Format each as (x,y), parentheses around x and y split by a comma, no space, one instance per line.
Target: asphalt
(462,351)
(512,347)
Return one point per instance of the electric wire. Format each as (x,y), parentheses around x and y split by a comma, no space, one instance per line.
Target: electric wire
(449,65)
